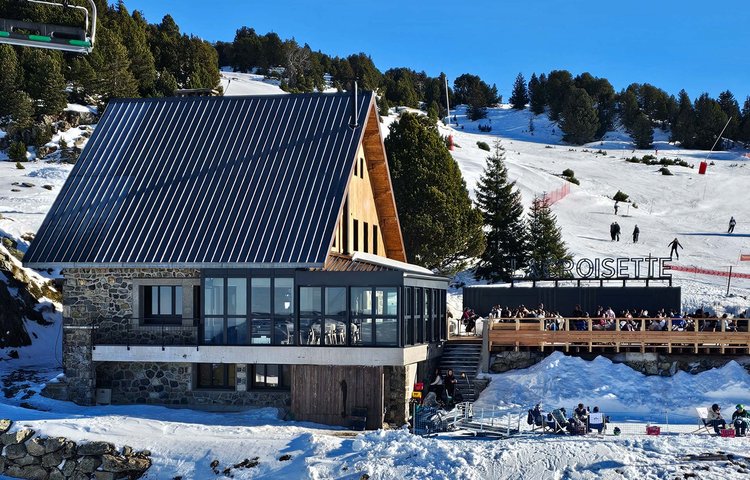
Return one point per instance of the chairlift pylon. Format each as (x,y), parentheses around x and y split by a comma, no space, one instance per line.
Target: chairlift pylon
(53,37)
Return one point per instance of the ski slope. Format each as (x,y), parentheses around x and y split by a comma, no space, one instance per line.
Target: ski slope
(694,208)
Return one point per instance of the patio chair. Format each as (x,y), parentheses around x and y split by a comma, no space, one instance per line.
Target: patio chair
(703,421)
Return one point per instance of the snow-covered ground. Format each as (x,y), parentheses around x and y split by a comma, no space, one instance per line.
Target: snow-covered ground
(692,207)
(236,83)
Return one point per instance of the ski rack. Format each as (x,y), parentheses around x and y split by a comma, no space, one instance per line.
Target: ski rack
(52,37)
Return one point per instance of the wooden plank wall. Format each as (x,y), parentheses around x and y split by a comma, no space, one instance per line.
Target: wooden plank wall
(377,167)
(318,396)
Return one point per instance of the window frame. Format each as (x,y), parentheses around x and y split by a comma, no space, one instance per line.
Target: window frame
(226,384)
(284,377)
(152,319)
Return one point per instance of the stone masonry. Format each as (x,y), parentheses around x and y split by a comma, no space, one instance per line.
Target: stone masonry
(101,297)
(171,384)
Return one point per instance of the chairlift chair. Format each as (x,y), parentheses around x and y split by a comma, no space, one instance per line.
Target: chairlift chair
(53,37)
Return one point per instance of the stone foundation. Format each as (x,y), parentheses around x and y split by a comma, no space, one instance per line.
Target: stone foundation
(172,384)
(646,363)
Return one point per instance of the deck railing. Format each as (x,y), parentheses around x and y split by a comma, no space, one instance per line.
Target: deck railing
(716,335)
(135,333)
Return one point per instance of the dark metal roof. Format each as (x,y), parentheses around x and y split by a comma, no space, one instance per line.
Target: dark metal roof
(206,181)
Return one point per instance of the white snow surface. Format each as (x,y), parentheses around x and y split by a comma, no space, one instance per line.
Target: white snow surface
(236,83)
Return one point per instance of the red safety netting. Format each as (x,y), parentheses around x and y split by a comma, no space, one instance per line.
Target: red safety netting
(557,195)
(707,271)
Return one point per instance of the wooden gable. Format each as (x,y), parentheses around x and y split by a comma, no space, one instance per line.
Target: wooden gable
(376,192)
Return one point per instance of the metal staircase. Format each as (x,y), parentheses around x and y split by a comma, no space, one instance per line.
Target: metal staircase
(462,357)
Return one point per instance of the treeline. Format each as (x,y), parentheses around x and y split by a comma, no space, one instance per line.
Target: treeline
(131,58)
(586,107)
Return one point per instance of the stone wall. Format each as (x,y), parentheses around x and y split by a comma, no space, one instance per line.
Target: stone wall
(647,363)
(172,384)
(101,297)
(57,458)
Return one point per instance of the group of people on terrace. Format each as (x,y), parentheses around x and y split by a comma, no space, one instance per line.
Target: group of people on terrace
(629,319)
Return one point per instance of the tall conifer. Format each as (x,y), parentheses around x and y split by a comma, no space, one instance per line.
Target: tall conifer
(505,229)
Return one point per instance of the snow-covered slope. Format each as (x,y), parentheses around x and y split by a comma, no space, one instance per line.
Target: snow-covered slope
(694,208)
(235,83)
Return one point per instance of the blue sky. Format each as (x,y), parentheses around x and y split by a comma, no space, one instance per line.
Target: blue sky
(696,45)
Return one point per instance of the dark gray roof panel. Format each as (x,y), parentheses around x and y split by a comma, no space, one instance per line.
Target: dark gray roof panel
(230,181)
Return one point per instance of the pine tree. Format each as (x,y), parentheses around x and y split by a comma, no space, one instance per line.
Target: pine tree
(629,109)
(731,109)
(642,132)
(709,121)
(112,66)
(547,251)
(9,80)
(683,125)
(520,96)
(442,230)
(579,120)
(744,134)
(505,229)
(537,97)
(557,89)
(384,107)
(21,113)
(17,152)
(45,83)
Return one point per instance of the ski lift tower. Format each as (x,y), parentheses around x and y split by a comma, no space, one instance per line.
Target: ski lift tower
(52,37)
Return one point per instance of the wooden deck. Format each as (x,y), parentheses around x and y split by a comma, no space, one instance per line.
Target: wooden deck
(533,334)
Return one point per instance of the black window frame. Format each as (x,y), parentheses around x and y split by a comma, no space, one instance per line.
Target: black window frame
(227,384)
(146,293)
(375,239)
(284,377)
(366,237)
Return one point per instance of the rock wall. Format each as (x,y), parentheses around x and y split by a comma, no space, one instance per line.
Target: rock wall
(25,455)
(20,293)
(101,297)
(172,384)
(646,363)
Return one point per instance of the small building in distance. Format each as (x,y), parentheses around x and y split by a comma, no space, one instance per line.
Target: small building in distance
(224,252)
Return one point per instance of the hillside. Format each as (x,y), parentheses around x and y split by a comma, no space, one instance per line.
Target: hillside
(695,208)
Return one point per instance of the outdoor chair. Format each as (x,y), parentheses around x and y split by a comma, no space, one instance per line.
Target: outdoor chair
(597,421)
(703,421)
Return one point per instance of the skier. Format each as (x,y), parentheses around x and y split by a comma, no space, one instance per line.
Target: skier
(617,231)
(636,232)
(612,231)
(732,223)
(616,206)
(673,245)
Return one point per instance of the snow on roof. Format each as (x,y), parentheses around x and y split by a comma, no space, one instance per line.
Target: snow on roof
(387,262)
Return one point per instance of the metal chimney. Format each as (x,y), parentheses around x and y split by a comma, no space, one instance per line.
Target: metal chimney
(354,123)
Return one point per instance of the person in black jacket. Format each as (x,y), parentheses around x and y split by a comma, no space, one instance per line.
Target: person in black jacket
(450,382)
(673,245)
(636,232)
(740,418)
(617,231)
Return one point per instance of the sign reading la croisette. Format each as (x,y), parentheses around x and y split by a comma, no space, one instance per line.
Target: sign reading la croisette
(603,268)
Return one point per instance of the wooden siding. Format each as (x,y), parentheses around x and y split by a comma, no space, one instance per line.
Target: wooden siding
(380,178)
(318,394)
(529,333)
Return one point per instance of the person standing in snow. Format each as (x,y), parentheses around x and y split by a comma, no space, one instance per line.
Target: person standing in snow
(617,231)
(612,231)
(715,418)
(636,232)
(616,206)
(740,418)
(732,223)
(673,245)
(437,384)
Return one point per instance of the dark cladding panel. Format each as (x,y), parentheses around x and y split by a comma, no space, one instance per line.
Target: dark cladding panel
(564,299)
(253,180)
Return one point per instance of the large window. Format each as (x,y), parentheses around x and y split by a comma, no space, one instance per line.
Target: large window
(162,304)
(271,377)
(216,376)
(242,311)
(323,316)
(374,316)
